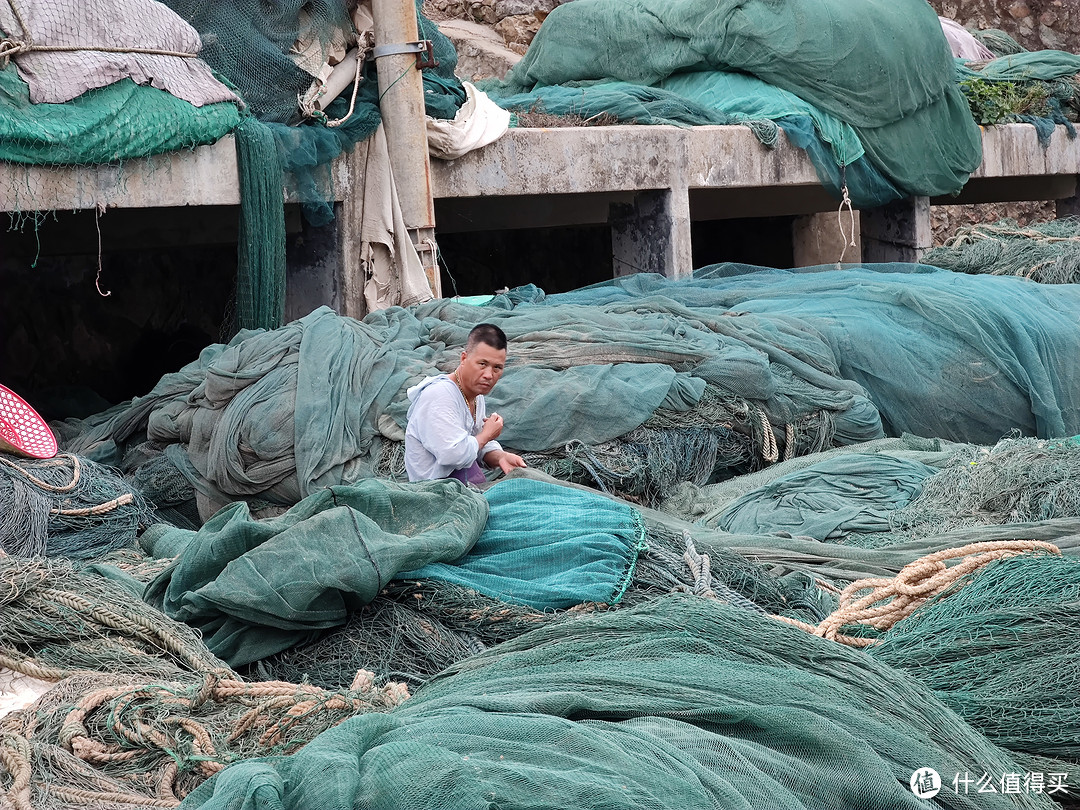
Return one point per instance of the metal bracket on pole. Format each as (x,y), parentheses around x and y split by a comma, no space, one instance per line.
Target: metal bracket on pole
(425,56)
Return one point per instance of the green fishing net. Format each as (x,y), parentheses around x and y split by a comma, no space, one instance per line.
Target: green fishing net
(683,702)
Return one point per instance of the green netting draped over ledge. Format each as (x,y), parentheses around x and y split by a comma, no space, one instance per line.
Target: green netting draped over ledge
(255,588)
(868,85)
(681,703)
(120,121)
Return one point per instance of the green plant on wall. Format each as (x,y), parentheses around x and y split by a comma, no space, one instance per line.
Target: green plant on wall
(998,102)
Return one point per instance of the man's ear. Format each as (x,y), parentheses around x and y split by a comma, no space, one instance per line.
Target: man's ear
(464,354)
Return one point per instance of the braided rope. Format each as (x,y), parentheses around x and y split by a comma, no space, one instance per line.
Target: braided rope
(28,666)
(15,757)
(93,797)
(13,47)
(99,509)
(132,624)
(890,600)
(700,568)
(789,441)
(54,462)
(769,451)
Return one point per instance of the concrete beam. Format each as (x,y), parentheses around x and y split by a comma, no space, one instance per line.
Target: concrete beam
(733,157)
(203,176)
(566,160)
(655,177)
(898,232)
(525,162)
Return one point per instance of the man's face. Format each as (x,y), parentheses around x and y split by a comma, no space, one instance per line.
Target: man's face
(480,368)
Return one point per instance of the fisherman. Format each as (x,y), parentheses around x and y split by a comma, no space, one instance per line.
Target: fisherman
(449,432)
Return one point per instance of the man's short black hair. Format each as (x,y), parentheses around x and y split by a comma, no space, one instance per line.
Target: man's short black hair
(488,334)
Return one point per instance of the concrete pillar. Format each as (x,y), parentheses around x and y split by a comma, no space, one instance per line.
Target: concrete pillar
(314,268)
(652,234)
(897,232)
(816,239)
(402,106)
(324,265)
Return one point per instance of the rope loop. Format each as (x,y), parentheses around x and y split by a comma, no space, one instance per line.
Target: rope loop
(848,240)
(880,602)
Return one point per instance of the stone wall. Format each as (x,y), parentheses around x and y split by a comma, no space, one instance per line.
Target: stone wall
(1035,24)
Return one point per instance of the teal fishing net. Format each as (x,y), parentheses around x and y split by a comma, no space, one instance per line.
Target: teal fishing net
(680,703)
(848,493)
(547,547)
(740,366)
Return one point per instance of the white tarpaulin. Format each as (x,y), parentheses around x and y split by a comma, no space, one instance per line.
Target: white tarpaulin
(480,121)
(17,691)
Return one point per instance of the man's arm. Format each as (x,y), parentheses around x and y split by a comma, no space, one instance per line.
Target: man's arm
(503,460)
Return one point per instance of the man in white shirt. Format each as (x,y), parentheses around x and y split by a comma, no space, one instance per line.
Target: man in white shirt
(449,432)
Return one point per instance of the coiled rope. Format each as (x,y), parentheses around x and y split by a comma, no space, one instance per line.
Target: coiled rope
(883,601)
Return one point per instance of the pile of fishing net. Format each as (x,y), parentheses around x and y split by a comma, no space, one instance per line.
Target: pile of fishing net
(883,494)
(632,386)
(1000,649)
(60,621)
(1047,252)
(891,82)
(682,702)
(431,618)
(141,711)
(257,588)
(67,506)
(562,608)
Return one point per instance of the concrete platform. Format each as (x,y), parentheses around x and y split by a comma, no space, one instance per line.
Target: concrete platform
(647,183)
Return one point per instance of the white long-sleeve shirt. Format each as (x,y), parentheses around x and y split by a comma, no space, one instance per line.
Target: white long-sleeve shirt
(441,432)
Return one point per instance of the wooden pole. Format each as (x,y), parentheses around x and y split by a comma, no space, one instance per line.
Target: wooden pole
(401,102)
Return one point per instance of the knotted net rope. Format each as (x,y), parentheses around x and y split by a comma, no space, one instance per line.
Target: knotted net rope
(66,506)
(89,741)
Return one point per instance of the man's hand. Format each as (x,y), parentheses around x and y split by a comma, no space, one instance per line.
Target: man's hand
(493,426)
(504,461)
